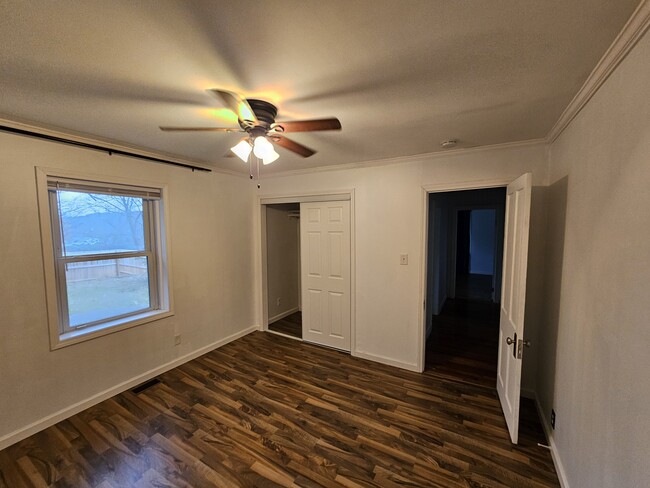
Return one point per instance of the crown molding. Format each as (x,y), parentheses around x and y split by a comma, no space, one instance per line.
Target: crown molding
(632,32)
(414,158)
(109,143)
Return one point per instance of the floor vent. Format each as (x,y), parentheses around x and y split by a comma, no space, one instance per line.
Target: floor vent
(145,386)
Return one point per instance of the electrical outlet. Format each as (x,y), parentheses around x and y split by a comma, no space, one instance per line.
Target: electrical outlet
(177,340)
(553,419)
(278,301)
(403,259)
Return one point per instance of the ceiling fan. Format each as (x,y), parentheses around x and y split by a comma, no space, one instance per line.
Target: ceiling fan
(257,119)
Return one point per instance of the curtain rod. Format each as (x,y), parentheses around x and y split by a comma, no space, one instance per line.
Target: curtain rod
(97,147)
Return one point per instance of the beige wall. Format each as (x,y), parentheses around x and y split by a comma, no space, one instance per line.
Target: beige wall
(596,335)
(282,260)
(389,220)
(211,256)
(214,244)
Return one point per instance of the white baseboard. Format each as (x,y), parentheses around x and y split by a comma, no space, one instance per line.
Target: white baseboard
(388,361)
(283,314)
(34,427)
(559,467)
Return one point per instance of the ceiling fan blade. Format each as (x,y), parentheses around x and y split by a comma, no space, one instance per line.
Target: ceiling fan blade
(200,129)
(307,125)
(304,151)
(237,104)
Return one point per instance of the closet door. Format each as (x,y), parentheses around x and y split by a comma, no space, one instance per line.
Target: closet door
(325,269)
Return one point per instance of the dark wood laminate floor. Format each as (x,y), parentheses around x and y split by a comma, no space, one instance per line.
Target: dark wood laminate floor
(463,344)
(474,286)
(290,325)
(267,411)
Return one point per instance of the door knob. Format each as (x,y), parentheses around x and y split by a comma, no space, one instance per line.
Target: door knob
(509,341)
(527,343)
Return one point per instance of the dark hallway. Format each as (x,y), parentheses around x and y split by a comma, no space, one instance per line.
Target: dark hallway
(465,253)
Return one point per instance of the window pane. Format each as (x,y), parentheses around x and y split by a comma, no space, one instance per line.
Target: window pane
(98,290)
(97,223)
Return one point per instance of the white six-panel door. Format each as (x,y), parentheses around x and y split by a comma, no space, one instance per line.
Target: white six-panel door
(325,271)
(513,299)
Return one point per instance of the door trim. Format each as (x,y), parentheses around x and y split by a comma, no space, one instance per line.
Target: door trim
(424,239)
(261,268)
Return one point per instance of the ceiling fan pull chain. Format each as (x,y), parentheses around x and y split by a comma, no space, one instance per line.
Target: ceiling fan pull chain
(258,173)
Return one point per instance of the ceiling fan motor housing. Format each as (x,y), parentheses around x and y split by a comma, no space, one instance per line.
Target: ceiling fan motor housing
(264,111)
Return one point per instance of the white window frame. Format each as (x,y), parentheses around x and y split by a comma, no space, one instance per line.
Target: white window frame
(156,250)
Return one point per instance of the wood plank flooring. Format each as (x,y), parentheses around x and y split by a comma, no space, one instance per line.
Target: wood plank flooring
(268,411)
(474,286)
(464,342)
(290,325)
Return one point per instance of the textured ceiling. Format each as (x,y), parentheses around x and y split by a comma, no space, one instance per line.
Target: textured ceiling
(400,75)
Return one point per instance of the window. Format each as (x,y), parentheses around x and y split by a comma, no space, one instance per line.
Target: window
(108,261)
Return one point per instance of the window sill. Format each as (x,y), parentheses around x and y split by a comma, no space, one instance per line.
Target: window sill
(88,333)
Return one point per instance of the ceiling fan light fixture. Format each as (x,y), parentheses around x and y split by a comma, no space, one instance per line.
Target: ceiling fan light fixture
(256,119)
(271,157)
(242,150)
(262,148)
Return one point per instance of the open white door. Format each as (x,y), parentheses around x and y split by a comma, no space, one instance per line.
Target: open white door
(325,270)
(513,299)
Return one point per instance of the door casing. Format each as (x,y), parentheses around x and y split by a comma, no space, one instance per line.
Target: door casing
(426,190)
(262,288)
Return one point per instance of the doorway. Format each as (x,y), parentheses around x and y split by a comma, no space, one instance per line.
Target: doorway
(283,268)
(307,245)
(465,256)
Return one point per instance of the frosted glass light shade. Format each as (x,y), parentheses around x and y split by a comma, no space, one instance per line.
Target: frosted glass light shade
(262,148)
(271,157)
(242,150)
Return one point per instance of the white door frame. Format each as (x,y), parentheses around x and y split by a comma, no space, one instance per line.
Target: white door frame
(426,190)
(321,196)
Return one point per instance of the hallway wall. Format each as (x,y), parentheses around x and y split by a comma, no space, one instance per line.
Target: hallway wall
(482,246)
(595,336)
(283,260)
